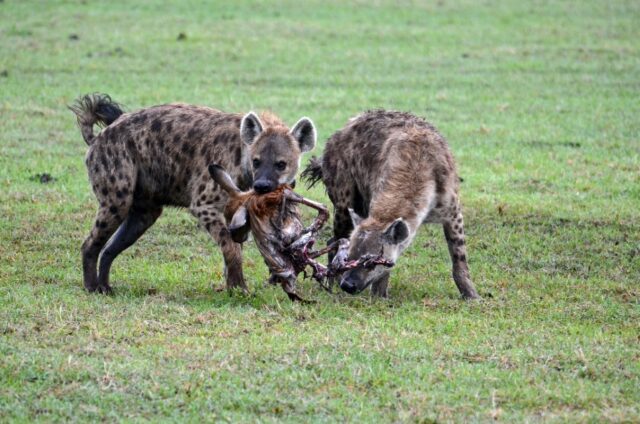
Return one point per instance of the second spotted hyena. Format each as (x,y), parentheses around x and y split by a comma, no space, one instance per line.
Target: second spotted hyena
(159,156)
(386,173)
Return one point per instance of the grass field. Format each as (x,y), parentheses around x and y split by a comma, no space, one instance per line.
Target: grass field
(540,103)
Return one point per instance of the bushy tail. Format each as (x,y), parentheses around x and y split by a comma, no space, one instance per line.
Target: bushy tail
(221,177)
(92,109)
(313,172)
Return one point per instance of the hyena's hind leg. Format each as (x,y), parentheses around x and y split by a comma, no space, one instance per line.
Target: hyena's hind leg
(453,225)
(107,221)
(134,226)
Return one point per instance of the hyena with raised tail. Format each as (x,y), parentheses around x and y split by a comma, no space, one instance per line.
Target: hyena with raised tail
(159,156)
(386,173)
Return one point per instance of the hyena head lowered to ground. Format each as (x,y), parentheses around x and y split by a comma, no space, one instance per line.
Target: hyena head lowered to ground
(386,173)
(159,156)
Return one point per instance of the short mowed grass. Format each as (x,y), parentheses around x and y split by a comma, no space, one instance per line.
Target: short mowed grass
(540,104)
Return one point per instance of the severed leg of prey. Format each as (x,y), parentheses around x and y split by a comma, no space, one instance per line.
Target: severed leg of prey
(323,212)
(288,282)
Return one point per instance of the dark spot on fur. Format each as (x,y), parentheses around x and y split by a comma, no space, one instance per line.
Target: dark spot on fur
(201,188)
(139,118)
(176,139)
(217,198)
(238,156)
(119,194)
(440,175)
(113,210)
(105,191)
(156,125)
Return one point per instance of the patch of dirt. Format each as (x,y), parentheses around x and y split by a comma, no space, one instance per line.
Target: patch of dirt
(541,144)
(44,178)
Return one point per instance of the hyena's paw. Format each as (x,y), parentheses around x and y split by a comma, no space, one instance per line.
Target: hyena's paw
(101,289)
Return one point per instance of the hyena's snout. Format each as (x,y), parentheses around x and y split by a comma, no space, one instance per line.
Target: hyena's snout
(352,282)
(264,185)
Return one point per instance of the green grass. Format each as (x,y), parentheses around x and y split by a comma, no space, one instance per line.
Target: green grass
(539,101)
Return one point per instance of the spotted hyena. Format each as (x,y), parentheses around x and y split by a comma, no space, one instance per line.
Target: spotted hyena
(159,156)
(386,174)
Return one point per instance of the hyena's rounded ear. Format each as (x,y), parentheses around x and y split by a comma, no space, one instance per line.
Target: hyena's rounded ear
(397,232)
(355,218)
(250,127)
(305,134)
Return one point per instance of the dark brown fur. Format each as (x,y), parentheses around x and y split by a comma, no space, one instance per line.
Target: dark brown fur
(396,171)
(158,156)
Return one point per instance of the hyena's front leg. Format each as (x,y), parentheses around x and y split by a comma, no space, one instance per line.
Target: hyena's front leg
(454,233)
(211,218)
(380,287)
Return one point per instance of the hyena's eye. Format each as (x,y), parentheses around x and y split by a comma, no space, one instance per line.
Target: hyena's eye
(280,166)
(256,163)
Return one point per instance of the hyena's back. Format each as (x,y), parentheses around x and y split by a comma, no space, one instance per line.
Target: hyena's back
(162,153)
(383,148)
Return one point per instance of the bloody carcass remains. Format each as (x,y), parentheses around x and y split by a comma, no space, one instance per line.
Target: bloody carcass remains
(280,235)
